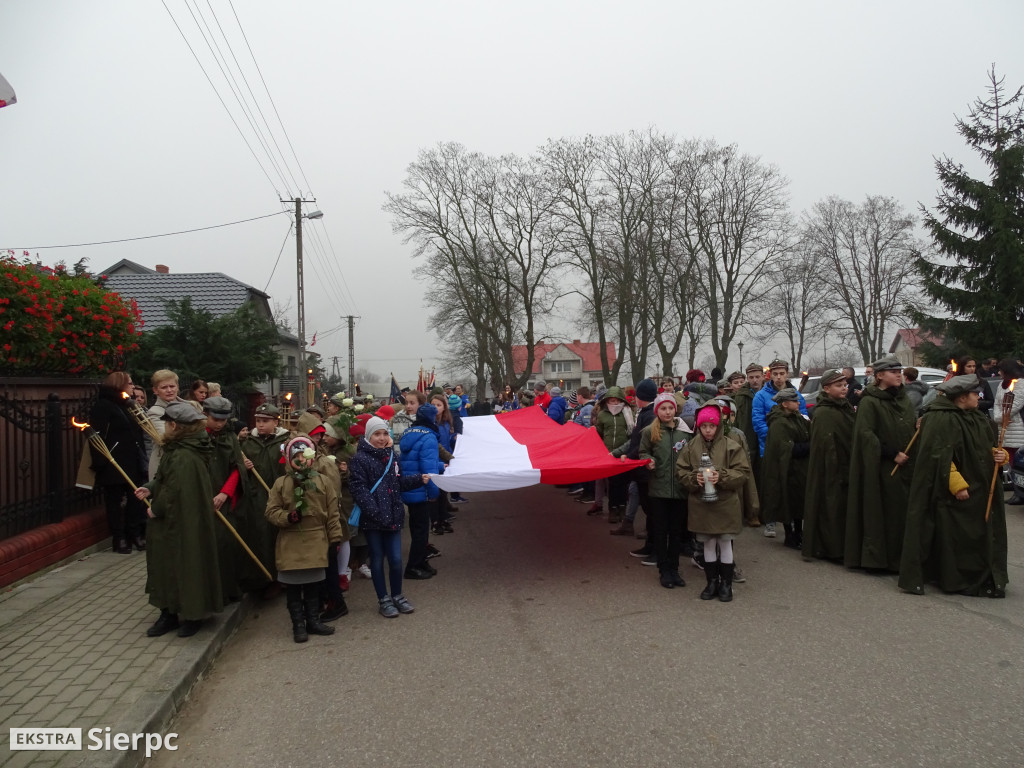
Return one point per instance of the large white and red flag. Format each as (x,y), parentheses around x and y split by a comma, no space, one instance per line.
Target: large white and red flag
(526,447)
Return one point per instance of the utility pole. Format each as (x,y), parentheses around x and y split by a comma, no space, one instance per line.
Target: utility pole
(301,296)
(351,354)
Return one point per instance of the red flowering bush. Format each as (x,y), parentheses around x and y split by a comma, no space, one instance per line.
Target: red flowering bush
(56,321)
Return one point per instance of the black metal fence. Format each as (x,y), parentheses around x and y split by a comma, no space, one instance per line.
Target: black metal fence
(40,452)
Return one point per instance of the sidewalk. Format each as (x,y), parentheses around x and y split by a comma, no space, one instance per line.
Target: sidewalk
(74,654)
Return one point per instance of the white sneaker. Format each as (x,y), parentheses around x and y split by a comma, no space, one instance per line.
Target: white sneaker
(769,530)
(364,570)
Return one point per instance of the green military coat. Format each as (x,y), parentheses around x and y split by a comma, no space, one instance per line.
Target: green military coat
(265,454)
(949,541)
(784,466)
(304,544)
(876,507)
(730,459)
(226,458)
(828,478)
(182,574)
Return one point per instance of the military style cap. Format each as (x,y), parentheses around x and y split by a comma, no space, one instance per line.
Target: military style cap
(755,368)
(830,377)
(723,383)
(217,407)
(737,375)
(338,399)
(959,385)
(887,363)
(269,410)
(777,363)
(331,431)
(181,413)
(787,394)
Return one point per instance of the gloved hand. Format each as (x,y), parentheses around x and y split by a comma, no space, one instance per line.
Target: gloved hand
(294,516)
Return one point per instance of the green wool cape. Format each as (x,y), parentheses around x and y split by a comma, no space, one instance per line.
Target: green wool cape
(949,541)
(265,454)
(828,478)
(783,475)
(227,456)
(876,505)
(182,575)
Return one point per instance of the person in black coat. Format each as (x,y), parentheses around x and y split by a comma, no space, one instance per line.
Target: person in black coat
(117,427)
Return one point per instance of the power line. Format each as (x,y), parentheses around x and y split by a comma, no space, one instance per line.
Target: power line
(278,259)
(146,237)
(232,117)
(341,272)
(232,84)
(272,104)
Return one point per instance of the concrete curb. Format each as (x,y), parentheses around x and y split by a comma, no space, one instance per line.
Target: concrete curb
(153,711)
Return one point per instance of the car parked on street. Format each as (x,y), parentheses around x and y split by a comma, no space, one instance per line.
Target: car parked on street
(812,387)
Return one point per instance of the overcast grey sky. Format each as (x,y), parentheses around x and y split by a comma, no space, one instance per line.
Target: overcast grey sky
(117,133)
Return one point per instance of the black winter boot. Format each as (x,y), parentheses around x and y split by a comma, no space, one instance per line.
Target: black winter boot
(798,534)
(293,599)
(313,624)
(725,590)
(164,624)
(711,590)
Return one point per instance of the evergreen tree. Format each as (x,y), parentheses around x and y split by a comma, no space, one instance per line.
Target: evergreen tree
(978,226)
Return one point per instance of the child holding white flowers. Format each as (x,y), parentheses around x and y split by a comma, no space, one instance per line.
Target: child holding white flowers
(304,506)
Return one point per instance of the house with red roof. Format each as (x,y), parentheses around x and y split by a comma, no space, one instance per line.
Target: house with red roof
(570,365)
(907,345)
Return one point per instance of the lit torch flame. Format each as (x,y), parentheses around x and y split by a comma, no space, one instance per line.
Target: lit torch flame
(952,365)
(1012,382)
(125,396)
(288,397)
(79,425)
(804,374)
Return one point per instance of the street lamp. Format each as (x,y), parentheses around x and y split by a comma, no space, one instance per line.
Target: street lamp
(740,345)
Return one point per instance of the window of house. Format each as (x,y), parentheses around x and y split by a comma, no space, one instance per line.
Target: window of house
(561,366)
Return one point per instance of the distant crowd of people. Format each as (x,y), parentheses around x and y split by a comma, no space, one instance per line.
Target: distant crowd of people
(309,499)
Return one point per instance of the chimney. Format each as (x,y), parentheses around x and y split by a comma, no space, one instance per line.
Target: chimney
(574,341)
(162,269)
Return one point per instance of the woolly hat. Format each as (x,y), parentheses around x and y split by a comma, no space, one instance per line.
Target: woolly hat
(454,402)
(556,391)
(297,445)
(647,390)
(572,399)
(665,397)
(539,385)
(709,414)
(375,424)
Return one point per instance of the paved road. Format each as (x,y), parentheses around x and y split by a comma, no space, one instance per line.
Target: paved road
(542,643)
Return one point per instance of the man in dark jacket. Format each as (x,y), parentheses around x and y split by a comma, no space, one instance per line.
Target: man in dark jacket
(646,391)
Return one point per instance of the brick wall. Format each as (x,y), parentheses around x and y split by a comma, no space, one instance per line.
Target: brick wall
(26,553)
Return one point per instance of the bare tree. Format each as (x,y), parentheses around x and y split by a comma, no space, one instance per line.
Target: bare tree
(867,255)
(798,304)
(482,226)
(739,225)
